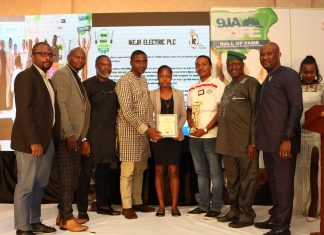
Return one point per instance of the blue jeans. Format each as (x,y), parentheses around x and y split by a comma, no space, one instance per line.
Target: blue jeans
(32,178)
(209,170)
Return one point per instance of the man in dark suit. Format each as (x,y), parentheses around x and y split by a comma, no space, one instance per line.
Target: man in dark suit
(278,135)
(36,123)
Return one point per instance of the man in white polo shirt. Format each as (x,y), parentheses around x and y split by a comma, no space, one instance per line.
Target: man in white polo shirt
(203,99)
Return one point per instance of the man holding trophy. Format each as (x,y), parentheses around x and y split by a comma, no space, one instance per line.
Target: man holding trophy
(203,99)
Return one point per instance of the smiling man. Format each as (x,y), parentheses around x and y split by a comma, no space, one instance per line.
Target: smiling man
(236,141)
(278,135)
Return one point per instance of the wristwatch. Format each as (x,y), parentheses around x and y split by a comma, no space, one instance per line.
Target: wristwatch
(205,130)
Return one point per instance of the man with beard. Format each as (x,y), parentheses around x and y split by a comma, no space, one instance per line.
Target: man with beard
(99,147)
(37,119)
(75,117)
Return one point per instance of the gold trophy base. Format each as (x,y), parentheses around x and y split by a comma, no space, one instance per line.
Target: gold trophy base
(193,129)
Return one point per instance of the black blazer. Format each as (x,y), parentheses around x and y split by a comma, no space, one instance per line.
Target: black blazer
(280,109)
(34,113)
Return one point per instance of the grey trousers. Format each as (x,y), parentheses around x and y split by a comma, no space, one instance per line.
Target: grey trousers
(32,178)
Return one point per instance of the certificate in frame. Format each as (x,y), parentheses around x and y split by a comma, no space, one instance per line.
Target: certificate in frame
(167,124)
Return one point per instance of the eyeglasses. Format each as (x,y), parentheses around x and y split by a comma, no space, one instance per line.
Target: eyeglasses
(44,54)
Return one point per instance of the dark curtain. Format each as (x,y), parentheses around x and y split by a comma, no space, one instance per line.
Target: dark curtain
(188,182)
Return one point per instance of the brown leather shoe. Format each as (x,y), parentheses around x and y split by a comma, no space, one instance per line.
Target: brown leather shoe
(81,220)
(143,208)
(59,220)
(73,226)
(129,213)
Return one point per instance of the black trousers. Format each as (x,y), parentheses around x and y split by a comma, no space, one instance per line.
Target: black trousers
(103,186)
(281,175)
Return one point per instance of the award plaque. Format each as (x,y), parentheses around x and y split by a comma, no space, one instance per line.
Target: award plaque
(167,124)
(195,115)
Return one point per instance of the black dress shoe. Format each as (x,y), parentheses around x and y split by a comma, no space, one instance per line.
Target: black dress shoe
(20,232)
(240,224)
(264,225)
(107,211)
(84,216)
(278,232)
(176,213)
(42,228)
(229,217)
(143,208)
(196,211)
(211,214)
(160,213)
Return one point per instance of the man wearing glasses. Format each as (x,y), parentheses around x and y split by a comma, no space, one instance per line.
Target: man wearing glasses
(35,127)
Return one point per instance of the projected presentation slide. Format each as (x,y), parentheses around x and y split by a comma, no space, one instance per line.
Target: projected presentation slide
(176,46)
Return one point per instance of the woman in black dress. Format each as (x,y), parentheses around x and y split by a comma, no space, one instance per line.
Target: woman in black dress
(167,151)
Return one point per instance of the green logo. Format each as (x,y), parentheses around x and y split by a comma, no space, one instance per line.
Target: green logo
(241,31)
(103,40)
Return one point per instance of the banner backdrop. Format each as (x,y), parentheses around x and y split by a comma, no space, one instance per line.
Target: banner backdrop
(173,45)
(298,32)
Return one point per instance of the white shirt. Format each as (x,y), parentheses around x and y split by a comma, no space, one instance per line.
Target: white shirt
(207,95)
(46,77)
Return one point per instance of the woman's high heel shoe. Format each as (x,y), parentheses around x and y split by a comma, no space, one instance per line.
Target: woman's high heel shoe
(176,213)
(160,213)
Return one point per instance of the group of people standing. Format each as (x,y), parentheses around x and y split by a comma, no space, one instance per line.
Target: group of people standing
(99,117)
(10,65)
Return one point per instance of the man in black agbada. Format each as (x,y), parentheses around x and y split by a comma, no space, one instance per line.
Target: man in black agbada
(98,148)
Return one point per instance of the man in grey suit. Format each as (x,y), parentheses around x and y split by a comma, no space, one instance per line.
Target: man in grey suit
(36,123)
(75,116)
(278,135)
